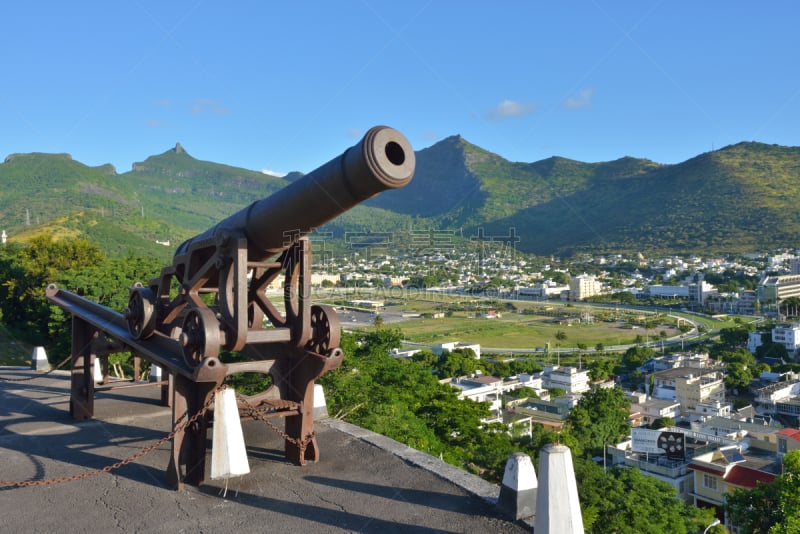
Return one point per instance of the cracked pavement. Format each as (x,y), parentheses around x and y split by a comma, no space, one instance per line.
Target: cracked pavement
(362,483)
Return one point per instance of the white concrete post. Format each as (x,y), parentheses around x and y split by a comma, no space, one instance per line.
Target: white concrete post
(320,406)
(39,360)
(156,374)
(558,510)
(518,491)
(97,371)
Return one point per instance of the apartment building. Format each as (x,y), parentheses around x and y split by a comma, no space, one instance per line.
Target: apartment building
(689,386)
(788,336)
(582,287)
(569,379)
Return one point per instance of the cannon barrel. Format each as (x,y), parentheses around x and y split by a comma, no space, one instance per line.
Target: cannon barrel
(382,160)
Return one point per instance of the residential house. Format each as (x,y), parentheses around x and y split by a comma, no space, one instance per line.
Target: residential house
(680,359)
(719,473)
(788,440)
(652,409)
(759,432)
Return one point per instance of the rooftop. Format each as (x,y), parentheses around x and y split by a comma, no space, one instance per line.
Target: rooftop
(364,482)
(791,433)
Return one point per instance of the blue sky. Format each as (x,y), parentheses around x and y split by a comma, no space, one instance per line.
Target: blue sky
(289,85)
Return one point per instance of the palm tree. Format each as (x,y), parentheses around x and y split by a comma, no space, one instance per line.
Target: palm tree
(560,336)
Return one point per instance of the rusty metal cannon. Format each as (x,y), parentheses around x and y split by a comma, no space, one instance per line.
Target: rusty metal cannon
(213,298)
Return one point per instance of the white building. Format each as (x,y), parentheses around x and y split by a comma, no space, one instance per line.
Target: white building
(673,361)
(701,291)
(673,292)
(569,379)
(450,346)
(788,336)
(652,409)
(767,398)
(582,287)
(403,353)
(754,341)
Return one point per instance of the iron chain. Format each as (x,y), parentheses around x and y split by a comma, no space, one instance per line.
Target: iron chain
(300,443)
(56,368)
(147,450)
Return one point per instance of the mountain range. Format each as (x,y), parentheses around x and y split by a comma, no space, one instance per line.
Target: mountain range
(738,199)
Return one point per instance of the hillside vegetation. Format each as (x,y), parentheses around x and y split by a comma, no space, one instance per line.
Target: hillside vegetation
(737,199)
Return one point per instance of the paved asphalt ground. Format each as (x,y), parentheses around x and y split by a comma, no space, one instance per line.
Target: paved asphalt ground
(363,482)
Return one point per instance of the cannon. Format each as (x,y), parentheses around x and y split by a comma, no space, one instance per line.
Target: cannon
(213,298)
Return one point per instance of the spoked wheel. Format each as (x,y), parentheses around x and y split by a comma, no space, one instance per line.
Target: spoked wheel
(325,330)
(200,336)
(140,312)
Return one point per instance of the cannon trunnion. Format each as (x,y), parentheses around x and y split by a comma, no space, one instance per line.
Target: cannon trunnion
(213,298)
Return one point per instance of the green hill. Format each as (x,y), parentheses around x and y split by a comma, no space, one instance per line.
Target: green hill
(737,199)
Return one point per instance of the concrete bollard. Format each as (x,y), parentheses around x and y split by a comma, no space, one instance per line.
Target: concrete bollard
(156,374)
(97,371)
(519,488)
(39,360)
(320,406)
(558,510)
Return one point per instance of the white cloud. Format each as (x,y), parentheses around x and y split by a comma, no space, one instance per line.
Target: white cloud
(207,106)
(508,109)
(156,123)
(430,135)
(274,173)
(582,100)
(355,133)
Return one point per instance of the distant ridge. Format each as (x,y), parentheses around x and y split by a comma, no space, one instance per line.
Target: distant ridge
(740,198)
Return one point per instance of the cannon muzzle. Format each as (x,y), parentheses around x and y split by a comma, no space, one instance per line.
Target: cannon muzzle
(382,160)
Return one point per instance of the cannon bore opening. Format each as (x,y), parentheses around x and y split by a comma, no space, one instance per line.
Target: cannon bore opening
(395,153)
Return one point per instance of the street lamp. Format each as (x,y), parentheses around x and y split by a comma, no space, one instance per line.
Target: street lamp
(713,524)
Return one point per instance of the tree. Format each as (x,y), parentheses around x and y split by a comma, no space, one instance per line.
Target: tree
(600,417)
(561,335)
(601,369)
(738,376)
(635,357)
(772,350)
(772,508)
(625,500)
(426,358)
(736,336)
(662,422)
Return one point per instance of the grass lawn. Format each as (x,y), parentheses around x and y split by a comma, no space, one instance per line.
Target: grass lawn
(525,332)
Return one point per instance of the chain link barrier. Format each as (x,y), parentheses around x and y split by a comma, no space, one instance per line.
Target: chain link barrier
(180,427)
(300,443)
(42,375)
